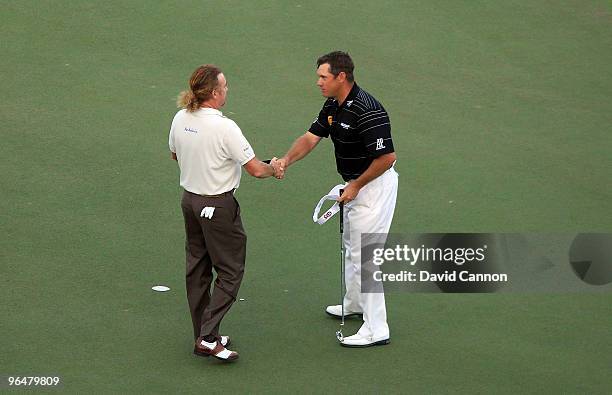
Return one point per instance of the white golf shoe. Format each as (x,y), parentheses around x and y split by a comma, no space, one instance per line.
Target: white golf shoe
(336,311)
(359,341)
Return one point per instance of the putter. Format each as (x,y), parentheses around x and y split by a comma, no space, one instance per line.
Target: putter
(339,335)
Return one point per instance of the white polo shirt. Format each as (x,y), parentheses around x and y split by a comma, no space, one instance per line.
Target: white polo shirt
(210,149)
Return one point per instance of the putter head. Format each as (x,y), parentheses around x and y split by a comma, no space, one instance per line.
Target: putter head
(339,335)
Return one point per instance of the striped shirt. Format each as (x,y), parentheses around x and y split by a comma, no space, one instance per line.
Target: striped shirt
(360,130)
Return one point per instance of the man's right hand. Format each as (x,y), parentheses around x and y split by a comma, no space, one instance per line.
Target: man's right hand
(279,167)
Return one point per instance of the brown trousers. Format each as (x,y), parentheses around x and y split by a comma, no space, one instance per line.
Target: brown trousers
(219,243)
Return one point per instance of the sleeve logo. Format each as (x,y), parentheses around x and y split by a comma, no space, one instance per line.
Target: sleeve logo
(379,144)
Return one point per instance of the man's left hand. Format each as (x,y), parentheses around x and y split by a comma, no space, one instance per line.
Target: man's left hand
(350,192)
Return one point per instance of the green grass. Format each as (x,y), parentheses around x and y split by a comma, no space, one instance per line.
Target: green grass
(502,107)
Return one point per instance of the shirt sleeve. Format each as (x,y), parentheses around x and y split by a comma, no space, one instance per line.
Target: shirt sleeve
(375,132)
(171,142)
(320,126)
(237,145)
(171,136)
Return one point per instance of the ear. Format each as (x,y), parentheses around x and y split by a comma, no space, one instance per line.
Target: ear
(341,76)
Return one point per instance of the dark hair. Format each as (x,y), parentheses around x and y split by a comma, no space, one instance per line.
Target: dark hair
(338,62)
(201,85)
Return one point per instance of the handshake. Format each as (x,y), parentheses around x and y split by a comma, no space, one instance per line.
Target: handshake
(279,166)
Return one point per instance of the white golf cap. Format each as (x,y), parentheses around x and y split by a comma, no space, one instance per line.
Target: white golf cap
(334,194)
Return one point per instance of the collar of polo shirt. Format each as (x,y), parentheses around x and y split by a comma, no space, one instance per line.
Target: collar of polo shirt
(351,96)
(208,111)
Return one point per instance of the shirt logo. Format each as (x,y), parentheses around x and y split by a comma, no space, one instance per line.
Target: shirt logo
(348,103)
(190,130)
(330,119)
(345,126)
(379,144)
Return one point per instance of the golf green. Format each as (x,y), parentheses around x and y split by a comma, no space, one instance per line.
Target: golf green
(501,115)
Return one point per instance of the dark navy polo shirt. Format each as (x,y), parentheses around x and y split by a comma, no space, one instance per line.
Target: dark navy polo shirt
(360,130)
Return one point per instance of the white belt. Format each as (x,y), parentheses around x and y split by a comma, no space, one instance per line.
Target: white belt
(334,194)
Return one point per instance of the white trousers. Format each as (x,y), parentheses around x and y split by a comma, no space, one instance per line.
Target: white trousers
(371,212)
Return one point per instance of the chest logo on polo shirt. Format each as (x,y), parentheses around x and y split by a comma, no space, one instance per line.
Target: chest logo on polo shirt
(330,119)
(348,103)
(345,126)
